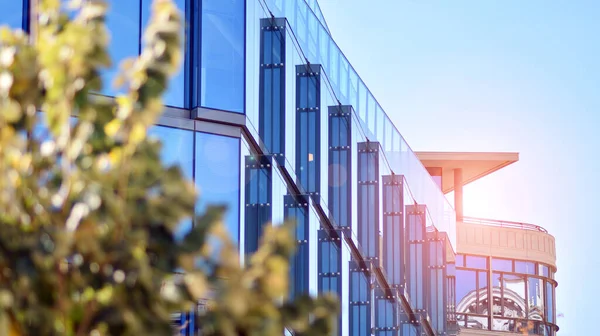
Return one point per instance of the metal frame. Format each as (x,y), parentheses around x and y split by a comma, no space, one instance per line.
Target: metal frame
(270,26)
(263,212)
(310,71)
(417,212)
(292,205)
(394,185)
(368,151)
(343,113)
(490,270)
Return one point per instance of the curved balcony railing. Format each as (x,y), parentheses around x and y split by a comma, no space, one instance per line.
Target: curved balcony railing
(505,224)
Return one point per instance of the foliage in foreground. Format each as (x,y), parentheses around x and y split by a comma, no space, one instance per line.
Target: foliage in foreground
(88,211)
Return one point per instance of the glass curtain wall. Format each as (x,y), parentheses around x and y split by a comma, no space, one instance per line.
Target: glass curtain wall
(436,269)
(222,53)
(417,257)
(212,75)
(258,198)
(386,315)
(272,87)
(360,300)
(308,124)
(334,197)
(368,198)
(296,208)
(330,266)
(340,164)
(316,46)
(176,94)
(393,229)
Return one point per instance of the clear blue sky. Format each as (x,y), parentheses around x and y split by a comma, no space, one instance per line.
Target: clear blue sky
(499,75)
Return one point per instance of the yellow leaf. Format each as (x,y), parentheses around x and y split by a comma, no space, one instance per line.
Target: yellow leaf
(115,155)
(112,127)
(138,133)
(105,295)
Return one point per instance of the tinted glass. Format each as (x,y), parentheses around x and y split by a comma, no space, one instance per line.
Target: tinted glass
(460,260)
(535,297)
(175,92)
(502,265)
(222,55)
(177,149)
(476,262)
(501,324)
(11,13)
(218,177)
(513,299)
(123,23)
(497,294)
(466,285)
(549,302)
(526,267)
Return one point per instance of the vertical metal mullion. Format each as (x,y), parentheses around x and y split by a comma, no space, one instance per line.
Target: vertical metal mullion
(187,55)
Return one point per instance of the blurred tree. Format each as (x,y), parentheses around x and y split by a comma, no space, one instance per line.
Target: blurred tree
(88,211)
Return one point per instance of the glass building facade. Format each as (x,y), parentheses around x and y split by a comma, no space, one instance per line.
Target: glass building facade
(269,118)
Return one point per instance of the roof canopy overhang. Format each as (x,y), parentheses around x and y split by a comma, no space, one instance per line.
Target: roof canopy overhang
(474,165)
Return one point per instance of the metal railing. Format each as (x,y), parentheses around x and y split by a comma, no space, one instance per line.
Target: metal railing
(504,224)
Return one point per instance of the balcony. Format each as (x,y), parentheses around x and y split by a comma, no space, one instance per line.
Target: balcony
(504,224)
(505,239)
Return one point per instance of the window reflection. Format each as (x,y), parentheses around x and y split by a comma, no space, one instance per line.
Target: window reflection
(466,286)
(222,55)
(512,297)
(217,176)
(177,149)
(123,23)
(535,293)
(525,267)
(476,262)
(521,302)
(175,92)
(499,264)
(12,13)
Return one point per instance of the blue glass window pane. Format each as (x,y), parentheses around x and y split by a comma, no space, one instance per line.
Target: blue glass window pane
(301,22)
(371,112)
(175,92)
(333,64)
(218,176)
(11,13)
(362,100)
(323,45)
(353,81)
(312,37)
(343,77)
(123,23)
(222,75)
(177,149)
